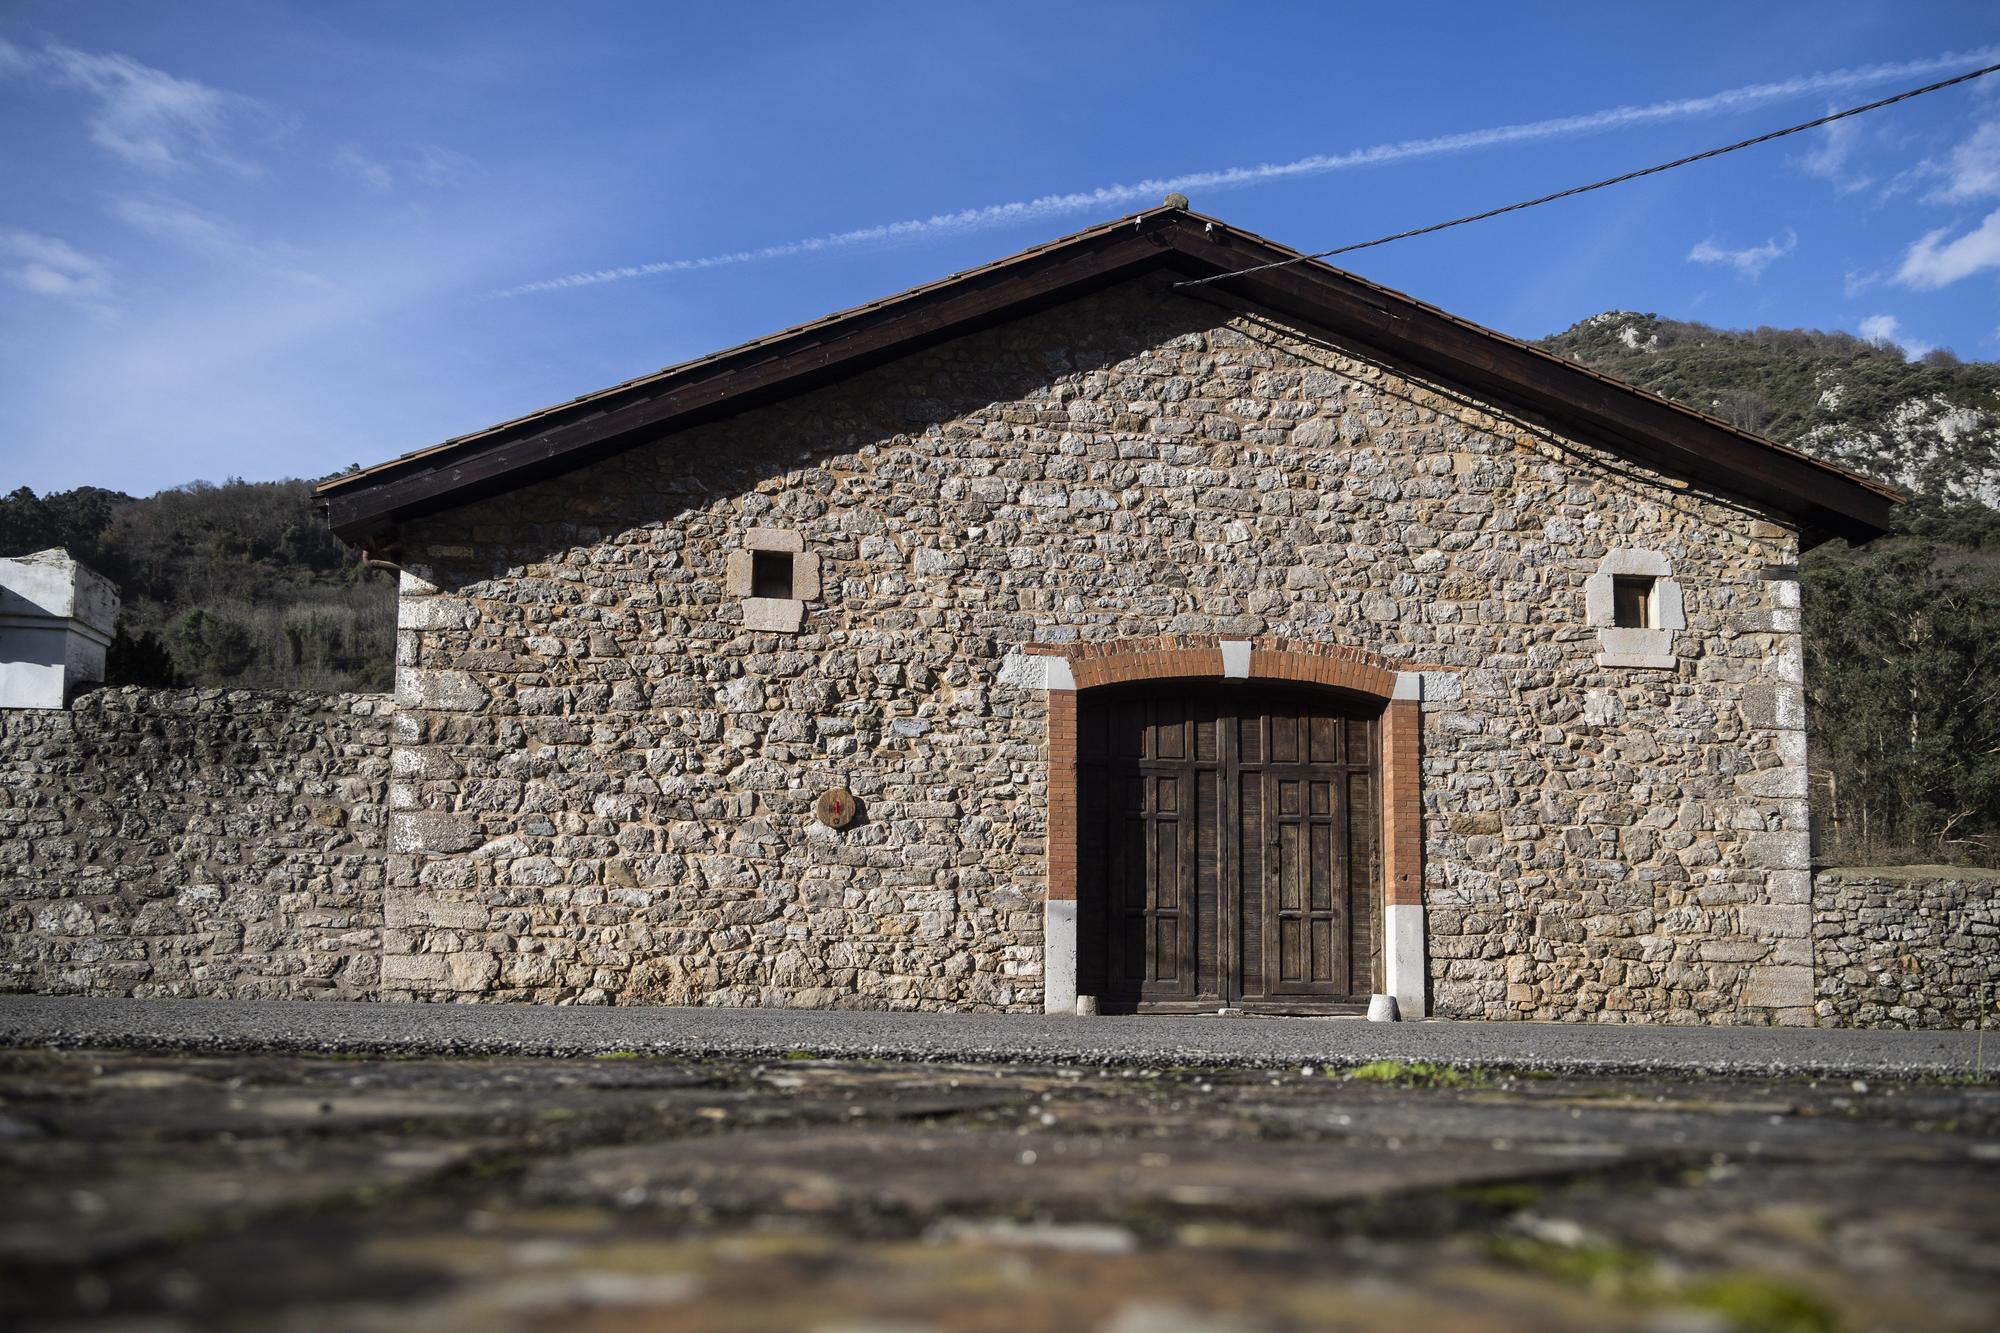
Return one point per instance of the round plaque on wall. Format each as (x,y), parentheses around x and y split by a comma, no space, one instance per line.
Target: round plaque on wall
(835,808)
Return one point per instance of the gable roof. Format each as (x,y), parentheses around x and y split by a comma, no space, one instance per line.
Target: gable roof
(1824,500)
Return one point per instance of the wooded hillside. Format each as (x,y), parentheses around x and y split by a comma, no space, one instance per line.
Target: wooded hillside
(242,584)
(239,584)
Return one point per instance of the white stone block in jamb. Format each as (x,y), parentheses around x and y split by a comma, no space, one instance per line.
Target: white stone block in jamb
(1633,560)
(1409,686)
(443,691)
(773,615)
(1774,783)
(1404,969)
(1784,850)
(773,539)
(1597,600)
(1785,595)
(1620,639)
(435,612)
(1646,648)
(413,971)
(1669,605)
(736,573)
(1025,671)
(1791,706)
(1789,886)
(805,577)
(1772,986)
(1059,677)
(415,581)
(1236,659)
(1788,661)
(1059,955)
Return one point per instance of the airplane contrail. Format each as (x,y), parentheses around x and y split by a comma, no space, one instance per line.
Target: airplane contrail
(1108,197)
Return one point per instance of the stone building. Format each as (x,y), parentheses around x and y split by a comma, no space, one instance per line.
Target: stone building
(1063,629)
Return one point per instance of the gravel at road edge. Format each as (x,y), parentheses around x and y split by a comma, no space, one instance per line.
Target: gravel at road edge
(498,1029)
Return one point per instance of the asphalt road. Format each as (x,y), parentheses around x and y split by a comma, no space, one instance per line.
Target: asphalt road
(495,1029)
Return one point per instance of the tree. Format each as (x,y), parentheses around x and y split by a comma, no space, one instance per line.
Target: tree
(1903,688)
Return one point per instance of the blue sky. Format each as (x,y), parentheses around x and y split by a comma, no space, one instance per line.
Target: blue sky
(268,240)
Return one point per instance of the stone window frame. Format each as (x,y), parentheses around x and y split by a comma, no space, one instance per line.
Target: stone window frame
(776,615)
(1062,670)
(1647,649)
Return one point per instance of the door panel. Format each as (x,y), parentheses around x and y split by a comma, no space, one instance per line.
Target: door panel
(1309,830)
(1149,751)
(1229,847)
(1249,888)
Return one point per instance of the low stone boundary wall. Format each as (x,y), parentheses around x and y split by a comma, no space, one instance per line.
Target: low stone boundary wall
(1906,946)
(194,842)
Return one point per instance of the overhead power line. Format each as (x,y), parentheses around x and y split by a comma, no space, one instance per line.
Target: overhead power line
(1599,185)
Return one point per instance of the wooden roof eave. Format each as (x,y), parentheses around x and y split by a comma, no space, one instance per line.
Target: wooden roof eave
(367,506)
(1823,500)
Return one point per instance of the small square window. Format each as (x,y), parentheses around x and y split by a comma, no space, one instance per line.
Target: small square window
(771,574)
(1632,601)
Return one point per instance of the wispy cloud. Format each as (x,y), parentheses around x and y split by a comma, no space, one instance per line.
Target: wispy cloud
(144,116)
(165,217)
(263,344)
(1935,262)
(1888,330)
(1105,198)
(376,175)
(1832,149)
(433,164)
(49,266)
(1973,170)
(426,164)
(171,219)
(1749,262)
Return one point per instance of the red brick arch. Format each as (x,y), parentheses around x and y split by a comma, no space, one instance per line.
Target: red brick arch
(1195,657)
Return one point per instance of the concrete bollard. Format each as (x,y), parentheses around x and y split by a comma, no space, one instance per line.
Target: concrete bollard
(1382,1009)
(1086,1006)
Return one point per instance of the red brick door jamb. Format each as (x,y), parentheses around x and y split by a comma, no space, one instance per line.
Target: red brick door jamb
(1064,669)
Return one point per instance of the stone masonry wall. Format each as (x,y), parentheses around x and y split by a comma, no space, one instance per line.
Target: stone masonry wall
(193,842)
(1907,946)
(604,774)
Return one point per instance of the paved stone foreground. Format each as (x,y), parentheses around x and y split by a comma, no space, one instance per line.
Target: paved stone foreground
(175,1191)
(492,1029)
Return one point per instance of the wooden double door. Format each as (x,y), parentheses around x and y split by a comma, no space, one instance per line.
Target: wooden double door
(1229,848)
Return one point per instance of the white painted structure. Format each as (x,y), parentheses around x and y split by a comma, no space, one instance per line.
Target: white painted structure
(56,620)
